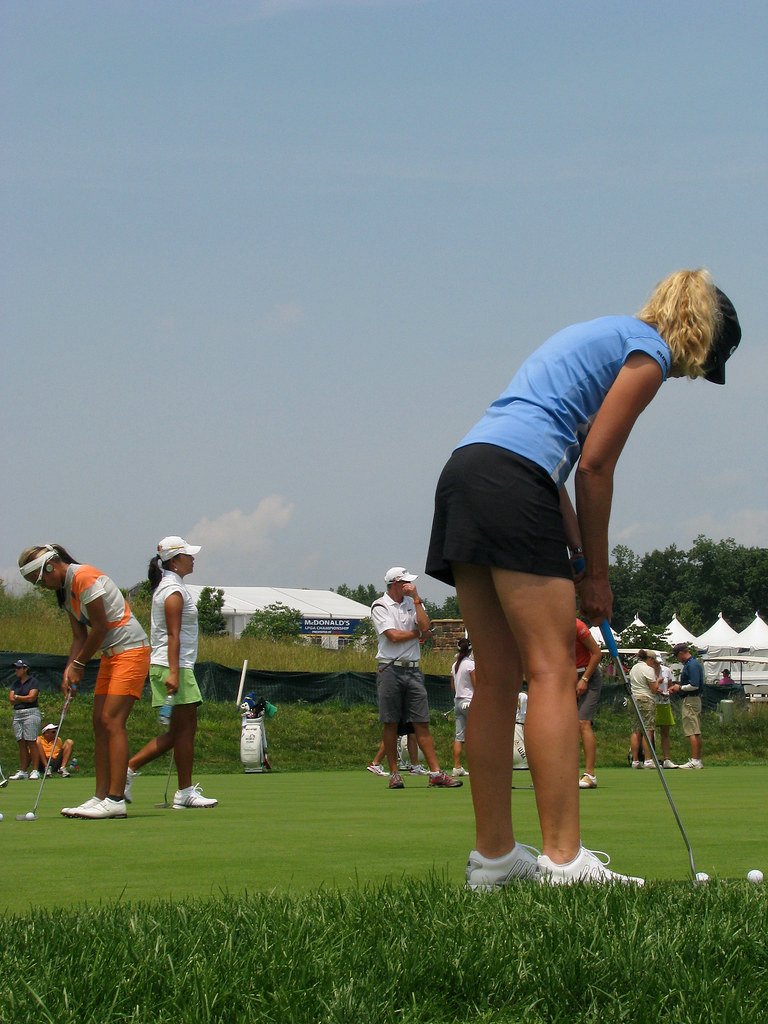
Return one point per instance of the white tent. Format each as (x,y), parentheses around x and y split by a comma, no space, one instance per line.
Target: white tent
(720,638)
(676,633)
(755,636)
(323,611)
(597,635)
(636,623)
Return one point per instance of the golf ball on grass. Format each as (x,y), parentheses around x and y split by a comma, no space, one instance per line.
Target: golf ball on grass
(30,815)
(755,876)
(701,877)
(1,817)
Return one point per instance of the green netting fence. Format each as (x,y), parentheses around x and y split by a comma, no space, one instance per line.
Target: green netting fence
(219,683)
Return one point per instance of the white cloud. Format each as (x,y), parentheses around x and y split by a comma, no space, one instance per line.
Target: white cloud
(242,532)
(747,526)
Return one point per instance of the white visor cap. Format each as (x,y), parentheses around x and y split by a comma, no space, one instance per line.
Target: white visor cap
(169,547)
(398,573)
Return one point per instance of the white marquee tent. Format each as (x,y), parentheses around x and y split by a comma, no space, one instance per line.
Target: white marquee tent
(676,633)
(720,638)
(755,636)
(328,609)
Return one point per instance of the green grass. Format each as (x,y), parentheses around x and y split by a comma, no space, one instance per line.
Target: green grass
(414,953)
(319,737)
(324,897)
(303,831)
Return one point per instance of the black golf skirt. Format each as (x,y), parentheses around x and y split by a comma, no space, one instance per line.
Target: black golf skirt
(495,508)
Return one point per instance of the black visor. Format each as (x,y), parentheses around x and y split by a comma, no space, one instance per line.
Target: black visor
(725,342)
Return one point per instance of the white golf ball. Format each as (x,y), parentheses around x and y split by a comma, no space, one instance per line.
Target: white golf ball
(30,815)
(1,817)
(755,876)
(701,877)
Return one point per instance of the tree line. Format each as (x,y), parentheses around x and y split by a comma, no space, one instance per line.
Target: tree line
(697,584)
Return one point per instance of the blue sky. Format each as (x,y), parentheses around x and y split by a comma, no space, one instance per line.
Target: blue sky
(266,263)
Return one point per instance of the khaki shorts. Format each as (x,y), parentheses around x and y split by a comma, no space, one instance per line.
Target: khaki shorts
(692,716)
(647,706)
(188,692)
(123,675)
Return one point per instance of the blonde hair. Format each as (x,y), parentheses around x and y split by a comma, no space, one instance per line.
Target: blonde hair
(684,310)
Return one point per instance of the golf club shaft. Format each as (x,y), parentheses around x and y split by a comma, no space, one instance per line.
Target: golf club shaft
(610,642)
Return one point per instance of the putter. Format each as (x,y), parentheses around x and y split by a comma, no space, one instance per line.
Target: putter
(165,803)
(3,780)
(613,650)
(32,815)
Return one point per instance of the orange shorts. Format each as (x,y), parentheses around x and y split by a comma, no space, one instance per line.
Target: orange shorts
(123,675)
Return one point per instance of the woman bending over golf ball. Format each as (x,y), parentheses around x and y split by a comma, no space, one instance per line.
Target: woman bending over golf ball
(174,634)
(101,619)
(502,531)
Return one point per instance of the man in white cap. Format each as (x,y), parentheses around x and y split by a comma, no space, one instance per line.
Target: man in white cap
(401,620)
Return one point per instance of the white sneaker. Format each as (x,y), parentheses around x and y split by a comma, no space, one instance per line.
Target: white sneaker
(72,812)
(484,874)
(649,763)
(376,769)
(666,763)
(34,775)
(192,797)
(17,776)
(105,808)
(637,764)
(459,772)
(692,763)
(129,785)
(418,769)
(588,781)
(586,867)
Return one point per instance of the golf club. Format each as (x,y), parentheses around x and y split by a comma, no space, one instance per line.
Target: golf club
(3,780)
(165,803)
(32,815)
(613,650)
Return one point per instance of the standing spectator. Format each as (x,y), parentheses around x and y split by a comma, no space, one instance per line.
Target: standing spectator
(664,716)
(691,685)
(26,720)
(589,685)
(53,752)
(644,683)
(100,618)
(174,634)
(400,621)
(463,686)
(502,527)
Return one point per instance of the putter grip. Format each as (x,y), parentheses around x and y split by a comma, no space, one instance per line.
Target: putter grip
(610,640)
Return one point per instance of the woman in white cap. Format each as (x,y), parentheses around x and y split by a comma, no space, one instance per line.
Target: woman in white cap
(101,619)
(502,531)
(174,635)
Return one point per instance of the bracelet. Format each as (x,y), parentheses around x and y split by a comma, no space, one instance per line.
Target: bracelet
(78,663)
(576,551)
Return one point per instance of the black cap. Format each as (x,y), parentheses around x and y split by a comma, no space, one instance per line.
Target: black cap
(679,648)
(20,664)
(725,342)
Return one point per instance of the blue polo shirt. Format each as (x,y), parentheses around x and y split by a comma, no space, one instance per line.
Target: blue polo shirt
(692,675)
(547,410)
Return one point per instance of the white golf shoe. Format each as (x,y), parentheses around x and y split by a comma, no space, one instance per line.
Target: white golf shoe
(72,812)
(105,808)
(129,785)
(191,797)
(587,867)
(484,874)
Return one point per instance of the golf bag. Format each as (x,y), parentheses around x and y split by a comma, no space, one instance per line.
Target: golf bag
(520,761)
(253,734)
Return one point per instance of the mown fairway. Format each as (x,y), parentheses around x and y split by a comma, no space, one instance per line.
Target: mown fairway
(294,832)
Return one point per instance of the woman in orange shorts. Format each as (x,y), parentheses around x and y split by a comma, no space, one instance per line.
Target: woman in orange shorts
(100,618)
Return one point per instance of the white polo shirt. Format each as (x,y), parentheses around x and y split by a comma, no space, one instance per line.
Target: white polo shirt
(388,614)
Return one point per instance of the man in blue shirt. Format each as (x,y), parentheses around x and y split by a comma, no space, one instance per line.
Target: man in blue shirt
(691,685)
